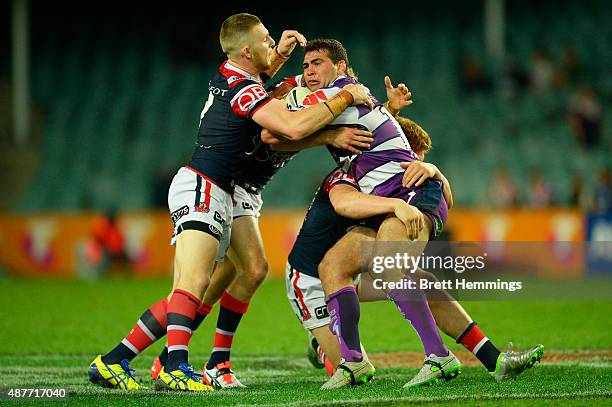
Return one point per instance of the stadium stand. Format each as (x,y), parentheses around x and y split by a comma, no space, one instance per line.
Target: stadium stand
(128,109)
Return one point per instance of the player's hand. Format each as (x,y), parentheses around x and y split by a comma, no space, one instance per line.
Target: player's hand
(350,139)
(417,172)
(411,217)
(398,98)
(281,91)
(360,95)
(287,43)
(270,138)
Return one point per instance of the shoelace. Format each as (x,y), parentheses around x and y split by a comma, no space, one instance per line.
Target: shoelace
(190,373)
(436,364)
(223,371)
(125,365)
(346,371)
(433,363)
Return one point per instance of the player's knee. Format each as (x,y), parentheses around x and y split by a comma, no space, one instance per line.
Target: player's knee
(259,271)
(330,266)
(391,229)
(255,272)
(324,267)
(195,283)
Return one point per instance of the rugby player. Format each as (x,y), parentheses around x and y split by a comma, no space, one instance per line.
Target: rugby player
(424,315)
(325,69)
(235,280)
(200,196)
(322,228)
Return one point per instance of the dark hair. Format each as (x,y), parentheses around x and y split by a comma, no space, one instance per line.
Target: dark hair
(335,51)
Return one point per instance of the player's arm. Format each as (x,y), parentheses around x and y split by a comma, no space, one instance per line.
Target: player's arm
(397,97)
(446,188)
(274,116)
(345,138)
(418,171)
(282,51)
(351,203)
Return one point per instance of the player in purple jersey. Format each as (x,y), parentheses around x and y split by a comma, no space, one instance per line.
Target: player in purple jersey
(378,172)
(200,196)
(342,299)
(322,228)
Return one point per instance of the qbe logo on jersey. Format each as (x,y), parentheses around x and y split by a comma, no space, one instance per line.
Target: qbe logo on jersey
(247,97)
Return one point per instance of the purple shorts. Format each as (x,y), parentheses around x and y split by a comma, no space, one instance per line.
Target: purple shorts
(427,197)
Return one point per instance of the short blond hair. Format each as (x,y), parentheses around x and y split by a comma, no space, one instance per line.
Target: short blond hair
(417,137)
(234,31)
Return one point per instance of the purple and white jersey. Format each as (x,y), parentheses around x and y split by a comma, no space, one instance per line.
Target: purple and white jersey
(376,170)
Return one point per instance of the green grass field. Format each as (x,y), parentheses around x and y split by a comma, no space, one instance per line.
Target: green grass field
(51,330)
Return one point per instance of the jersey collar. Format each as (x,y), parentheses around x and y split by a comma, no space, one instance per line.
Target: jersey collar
(234,73)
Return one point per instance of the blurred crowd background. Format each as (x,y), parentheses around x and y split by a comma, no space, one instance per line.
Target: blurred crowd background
(516,96)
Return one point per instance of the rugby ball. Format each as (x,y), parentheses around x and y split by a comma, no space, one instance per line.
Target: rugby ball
(295,98)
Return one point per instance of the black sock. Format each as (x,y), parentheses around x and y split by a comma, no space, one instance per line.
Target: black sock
(163,356)
(476,342)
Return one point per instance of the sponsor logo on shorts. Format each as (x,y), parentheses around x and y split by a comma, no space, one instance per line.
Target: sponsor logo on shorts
(179,213)
(321,312)
(219,218)
(247,206)
(202,207)
(214,230)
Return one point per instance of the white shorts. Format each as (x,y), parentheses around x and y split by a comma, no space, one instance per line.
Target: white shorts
(197,203)
(307,299)
(246,203)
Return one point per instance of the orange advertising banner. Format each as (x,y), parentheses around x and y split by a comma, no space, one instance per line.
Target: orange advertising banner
(543,225)
(63,245)
(279,230)
(557,227)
